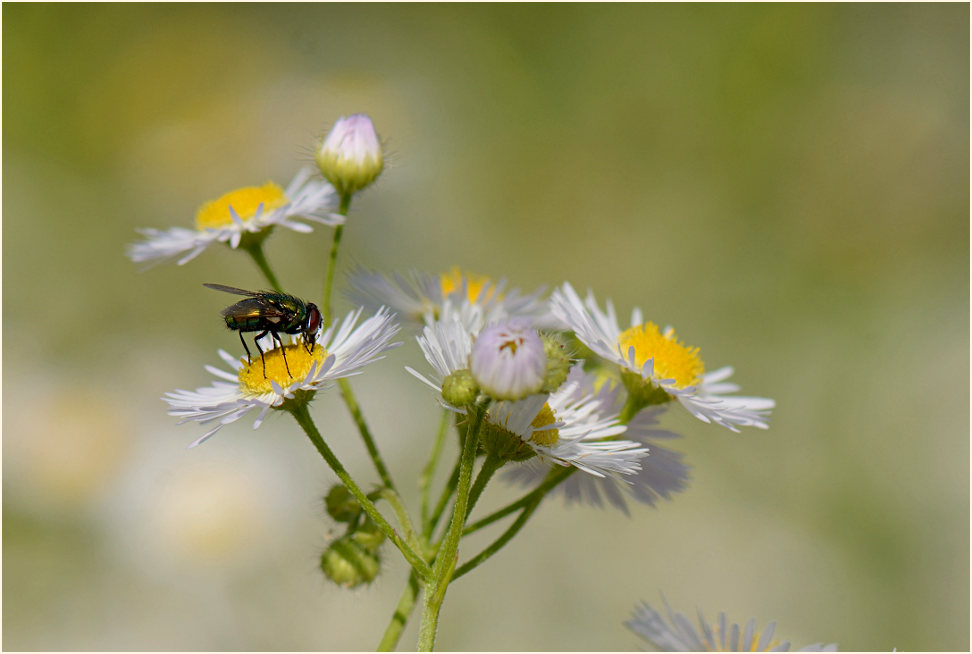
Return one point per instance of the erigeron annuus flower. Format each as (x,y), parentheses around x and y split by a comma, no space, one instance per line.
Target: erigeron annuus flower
(679,635)
(662,472)
(562,428)
(248,212)
(508,360)
(341,350)
(422,298)
(350,155)
(658,358)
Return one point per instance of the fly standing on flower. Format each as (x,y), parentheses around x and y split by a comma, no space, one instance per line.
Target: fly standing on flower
(270,312)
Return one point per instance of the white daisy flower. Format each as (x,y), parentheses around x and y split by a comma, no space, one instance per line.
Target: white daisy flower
(662,471)
(679,635)
(421,298)
(341,350)
(565,428)
(658,357)
(508,360)
(246,211)
(350,155)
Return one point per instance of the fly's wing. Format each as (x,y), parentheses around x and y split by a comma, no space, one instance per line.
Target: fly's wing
(254,313)
(233,290)
(249,309)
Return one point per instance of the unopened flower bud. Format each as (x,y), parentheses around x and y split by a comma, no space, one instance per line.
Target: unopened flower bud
(558,362)
(459,388)
(341,504)
(350,156)
(368,536)
(349,564)
(508,360)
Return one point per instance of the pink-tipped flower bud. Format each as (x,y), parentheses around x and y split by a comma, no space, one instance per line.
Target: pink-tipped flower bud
(508,360)
(350,157)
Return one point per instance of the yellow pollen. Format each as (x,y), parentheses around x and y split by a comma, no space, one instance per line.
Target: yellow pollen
(512,345)
(673,360)
(253,382)
(547,437)
(245,201)
(453,279)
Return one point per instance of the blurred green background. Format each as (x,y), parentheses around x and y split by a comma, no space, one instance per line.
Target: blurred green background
(788,185)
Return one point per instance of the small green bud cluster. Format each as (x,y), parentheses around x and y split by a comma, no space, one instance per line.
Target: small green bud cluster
(353,559)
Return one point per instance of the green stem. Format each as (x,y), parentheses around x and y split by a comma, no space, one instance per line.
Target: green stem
(553,478)
(632,406)
(445,560)
(393,632)
(447,492)
(392,497)
(256,251)
(425,480)
(303,417)
(369,441)
(504,538)
(490,465)
(332,260)
(529,504)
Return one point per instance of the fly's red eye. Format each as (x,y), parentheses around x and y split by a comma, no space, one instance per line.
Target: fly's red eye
(313,319)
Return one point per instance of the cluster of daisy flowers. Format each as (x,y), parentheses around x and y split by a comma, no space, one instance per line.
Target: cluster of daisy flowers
(482,340)
(490,349)
(602,417)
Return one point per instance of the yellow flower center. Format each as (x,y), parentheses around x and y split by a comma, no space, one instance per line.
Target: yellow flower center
(546,437)
(497,438)
(452,280)
(253,381)
(673,360)
(245,202)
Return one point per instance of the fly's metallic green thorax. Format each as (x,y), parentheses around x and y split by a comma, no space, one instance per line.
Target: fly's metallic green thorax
(270,312)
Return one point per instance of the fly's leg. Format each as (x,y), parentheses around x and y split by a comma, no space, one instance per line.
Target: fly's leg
(262,359)
(283,351)
(248,359)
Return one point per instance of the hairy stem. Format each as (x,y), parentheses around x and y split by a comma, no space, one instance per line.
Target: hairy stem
(445,560)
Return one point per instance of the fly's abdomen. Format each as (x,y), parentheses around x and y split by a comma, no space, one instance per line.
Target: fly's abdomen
(245,323)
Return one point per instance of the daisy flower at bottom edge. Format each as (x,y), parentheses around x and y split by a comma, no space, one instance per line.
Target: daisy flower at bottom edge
(341,350)
(679,635)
